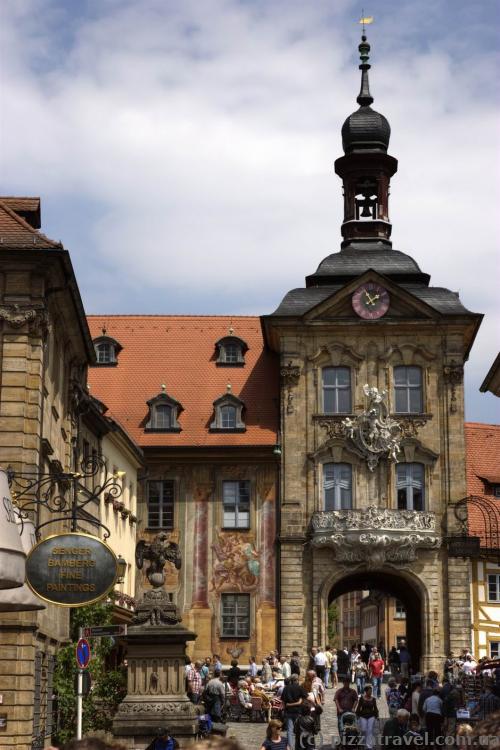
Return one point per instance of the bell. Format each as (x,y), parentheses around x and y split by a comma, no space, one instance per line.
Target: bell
(12,555)
(366,209)
(22,599)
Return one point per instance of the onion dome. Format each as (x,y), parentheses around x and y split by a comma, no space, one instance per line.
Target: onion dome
(365,129)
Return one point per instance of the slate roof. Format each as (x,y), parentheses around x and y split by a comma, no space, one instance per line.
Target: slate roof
(482,443)
(180,352)
(365,128)
(15,231)
(299,301)
(358,257)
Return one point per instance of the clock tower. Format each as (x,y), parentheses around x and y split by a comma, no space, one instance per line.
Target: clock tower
(372,421)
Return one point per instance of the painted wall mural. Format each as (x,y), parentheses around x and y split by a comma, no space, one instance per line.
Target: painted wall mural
(238,564)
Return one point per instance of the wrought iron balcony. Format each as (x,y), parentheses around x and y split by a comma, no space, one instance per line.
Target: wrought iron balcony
(374,535)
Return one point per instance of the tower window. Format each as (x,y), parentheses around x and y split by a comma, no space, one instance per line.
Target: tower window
(410,486)
(161,504)
(336,390)
(337,486)
(408,390)
(236,504)
(366,200)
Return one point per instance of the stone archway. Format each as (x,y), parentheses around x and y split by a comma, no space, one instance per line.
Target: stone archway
(400,584)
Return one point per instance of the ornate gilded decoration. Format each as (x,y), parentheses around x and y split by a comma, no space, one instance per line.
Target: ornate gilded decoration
(157,606)
(374,433)
(453,375)
(289,378)
(238,566)
(372,536)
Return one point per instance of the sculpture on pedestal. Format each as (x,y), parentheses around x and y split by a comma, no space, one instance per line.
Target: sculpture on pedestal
(157,606)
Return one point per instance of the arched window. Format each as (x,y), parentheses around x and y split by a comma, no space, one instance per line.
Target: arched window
(163,414)
(231,351)
(106,350)
(408,395)
(337,486)
(337,390)
(228,417)
(410,486)
(228,414)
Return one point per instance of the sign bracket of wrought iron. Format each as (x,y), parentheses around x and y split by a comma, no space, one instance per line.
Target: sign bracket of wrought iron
(65,494)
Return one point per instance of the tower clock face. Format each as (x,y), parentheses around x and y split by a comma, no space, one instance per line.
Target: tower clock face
(370,301)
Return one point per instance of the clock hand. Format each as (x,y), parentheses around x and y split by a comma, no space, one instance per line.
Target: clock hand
(368,298)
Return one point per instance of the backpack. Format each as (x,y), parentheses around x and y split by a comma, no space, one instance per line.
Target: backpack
(394,698)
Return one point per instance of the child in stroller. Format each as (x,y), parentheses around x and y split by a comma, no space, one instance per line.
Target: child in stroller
(350,735)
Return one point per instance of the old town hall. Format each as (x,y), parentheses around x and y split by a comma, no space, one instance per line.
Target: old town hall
(295,457)
(316,450)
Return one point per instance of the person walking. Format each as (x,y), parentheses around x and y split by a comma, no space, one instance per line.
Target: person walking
(360,674)
(253,669)
(433,712)
(334,669)
(266,673)
(367,712)
(343,664)
(215,695)
(404,659)
(394,662)
(395,729)
(293,696)
(345,698)
(295,663)
(274,740)
(328,666)
(376,672)
(393,697)
(320,664)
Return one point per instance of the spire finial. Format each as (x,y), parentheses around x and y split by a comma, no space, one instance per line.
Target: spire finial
(365,98)
(163,388)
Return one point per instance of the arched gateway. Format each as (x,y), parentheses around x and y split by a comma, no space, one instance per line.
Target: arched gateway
(402,585)
(372,419)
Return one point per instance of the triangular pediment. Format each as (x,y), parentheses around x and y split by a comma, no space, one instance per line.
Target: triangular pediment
(402,304)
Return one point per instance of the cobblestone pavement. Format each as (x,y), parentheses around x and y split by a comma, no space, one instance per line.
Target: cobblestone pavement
(251,735)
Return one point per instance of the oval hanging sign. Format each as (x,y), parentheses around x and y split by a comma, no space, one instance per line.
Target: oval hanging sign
(71,570)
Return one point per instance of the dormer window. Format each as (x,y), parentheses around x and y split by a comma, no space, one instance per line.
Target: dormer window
(163,414)
(231,351)
(106,351)
(228,414)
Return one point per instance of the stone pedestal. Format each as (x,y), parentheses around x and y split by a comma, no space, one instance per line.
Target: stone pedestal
(156,694)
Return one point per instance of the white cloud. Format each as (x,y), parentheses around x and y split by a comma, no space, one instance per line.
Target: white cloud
(206,132)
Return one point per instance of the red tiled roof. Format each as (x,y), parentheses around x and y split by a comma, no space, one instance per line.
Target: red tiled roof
(17,232)
(482,443)
(21,203)
(179,351)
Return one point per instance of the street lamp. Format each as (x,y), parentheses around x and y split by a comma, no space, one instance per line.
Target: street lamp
(121,566)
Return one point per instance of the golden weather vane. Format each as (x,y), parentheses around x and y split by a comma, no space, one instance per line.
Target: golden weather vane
(365,20)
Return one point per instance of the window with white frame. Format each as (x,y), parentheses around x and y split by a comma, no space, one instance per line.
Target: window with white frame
(408,394)
(161,504)
(494,649)
(161,417)
(236,504)
(399,610)
(494,587)
(164,413)
(105,353)
(337,486)
(231,351)
(336,390)
(228,414)
(410,486)
(228,417)
(235,615)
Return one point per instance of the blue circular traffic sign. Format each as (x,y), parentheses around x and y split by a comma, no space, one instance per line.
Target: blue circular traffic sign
(82,653)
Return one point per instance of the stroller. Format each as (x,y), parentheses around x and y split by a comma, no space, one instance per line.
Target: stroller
(350,735)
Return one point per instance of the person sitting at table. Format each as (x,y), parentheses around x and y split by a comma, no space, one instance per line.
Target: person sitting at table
(259,692)
(244,696)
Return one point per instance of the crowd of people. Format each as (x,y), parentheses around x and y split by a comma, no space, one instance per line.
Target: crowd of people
(290,691)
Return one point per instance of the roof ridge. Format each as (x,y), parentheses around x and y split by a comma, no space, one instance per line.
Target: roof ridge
(482,424)
(19,219)
(170,315)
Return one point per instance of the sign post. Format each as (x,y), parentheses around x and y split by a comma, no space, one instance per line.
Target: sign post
(82,659)
(100,631)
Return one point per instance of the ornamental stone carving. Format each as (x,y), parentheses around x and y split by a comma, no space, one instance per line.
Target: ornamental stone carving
(410,425)
(374,433)
(16,316)
(374,535)
(168,707)
(289,377)
(453,375)
(334,426)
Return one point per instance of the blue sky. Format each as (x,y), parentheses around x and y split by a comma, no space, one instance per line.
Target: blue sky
(184,151)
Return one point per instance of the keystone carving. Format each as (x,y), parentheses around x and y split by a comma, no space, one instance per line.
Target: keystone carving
(453,375)
(289,378)
(374,433)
